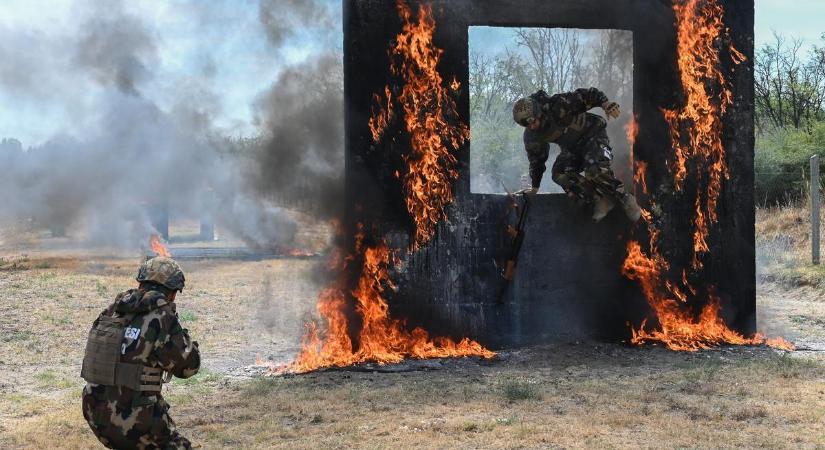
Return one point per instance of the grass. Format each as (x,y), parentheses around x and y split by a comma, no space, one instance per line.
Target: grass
(602,408)
(101,288)
(204,376)
(516,391)
(187,316)
(790,367)
(16,336)
(58,321)
(55,380)
(783,246)
(13,265)
(794,274)
(807,320)
(645,398)
(750,413)
(260,387)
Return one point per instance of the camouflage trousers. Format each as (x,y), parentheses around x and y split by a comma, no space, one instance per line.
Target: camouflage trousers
(593,156)
(125,419)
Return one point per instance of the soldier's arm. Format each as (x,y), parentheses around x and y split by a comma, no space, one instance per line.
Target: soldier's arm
(177,353)
(537,154)
(579,101)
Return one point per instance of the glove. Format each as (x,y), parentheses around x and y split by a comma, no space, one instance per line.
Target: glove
(611,109)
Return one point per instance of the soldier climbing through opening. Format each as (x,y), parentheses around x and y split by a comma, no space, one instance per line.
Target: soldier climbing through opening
(134,346)
(564,119)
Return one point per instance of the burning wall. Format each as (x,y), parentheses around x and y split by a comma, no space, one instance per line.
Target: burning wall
(569,280)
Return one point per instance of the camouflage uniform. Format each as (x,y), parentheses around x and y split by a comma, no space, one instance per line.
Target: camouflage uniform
(582,137)
(124,418)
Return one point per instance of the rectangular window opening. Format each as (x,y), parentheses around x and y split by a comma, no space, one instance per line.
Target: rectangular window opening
(510,63)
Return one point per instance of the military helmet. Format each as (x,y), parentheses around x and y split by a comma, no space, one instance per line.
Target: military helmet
(163,271)
(524,110)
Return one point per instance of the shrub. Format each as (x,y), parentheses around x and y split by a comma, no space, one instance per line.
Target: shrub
(782,163)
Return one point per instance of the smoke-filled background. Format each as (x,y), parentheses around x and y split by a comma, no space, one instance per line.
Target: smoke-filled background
(113,109)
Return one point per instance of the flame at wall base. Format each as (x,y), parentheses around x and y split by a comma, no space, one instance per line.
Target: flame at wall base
(699,155)
(425,106)
(381,339)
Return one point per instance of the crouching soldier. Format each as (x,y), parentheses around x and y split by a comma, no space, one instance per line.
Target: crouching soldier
(563,119)
(134,346)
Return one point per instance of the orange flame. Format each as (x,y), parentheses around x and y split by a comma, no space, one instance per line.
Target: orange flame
(430,173)
(158,247)
(632,131)
(381,338)
(428,109)
(679,329)
(696,134)
(696,128)
(381,114)
(639,167)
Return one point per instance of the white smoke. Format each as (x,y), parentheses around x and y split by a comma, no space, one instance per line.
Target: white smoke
(133,139)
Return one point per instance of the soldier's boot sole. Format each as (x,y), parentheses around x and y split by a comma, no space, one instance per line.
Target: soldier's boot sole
(631,208)
(602,207)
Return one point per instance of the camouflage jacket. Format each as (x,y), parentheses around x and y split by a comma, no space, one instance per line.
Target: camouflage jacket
(154,336)
(565,122)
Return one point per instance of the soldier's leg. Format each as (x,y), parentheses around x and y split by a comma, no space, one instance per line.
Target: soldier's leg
(107,417)
(566,173)
(598,157)
(97,412)
(154,428)
(140,426)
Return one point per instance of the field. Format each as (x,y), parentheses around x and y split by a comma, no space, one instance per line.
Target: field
(579,395)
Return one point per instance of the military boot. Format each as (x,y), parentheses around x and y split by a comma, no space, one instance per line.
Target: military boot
(631,208)
(602,206)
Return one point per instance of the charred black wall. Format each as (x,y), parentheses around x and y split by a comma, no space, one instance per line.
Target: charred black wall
(568,283)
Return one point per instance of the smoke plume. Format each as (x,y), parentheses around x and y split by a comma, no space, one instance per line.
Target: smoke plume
(130,152)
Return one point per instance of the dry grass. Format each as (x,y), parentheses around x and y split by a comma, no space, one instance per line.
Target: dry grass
(564,396)
(662,400)
(783,246)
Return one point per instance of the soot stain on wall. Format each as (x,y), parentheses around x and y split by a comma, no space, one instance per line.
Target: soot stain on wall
(568,284)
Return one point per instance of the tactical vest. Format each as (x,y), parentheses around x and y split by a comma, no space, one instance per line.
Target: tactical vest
(101,362)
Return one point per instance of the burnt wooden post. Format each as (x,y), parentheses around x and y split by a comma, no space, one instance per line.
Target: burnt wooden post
(207,215)
(815,209)
(159,219)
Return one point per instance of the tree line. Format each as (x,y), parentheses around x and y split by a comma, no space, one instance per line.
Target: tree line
(789,86)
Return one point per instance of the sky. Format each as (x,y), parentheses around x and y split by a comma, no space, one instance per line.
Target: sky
(218,47)
(792,18)
(215,46)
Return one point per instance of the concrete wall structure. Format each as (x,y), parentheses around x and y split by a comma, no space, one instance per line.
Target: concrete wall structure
(568,284)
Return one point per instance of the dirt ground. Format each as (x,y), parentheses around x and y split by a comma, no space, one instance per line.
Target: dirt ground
(584,395)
